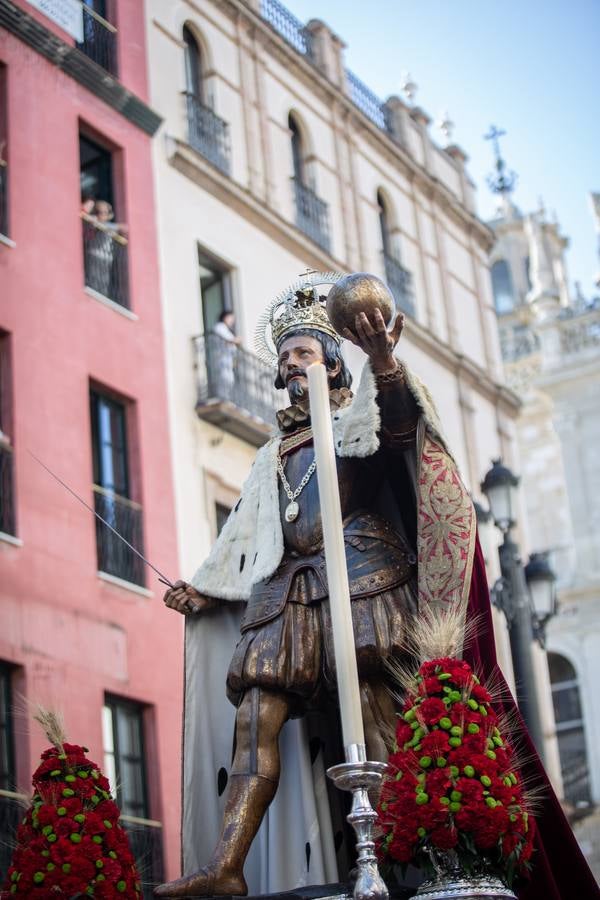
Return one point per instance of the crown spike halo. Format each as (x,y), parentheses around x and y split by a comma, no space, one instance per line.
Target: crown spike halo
(300,306)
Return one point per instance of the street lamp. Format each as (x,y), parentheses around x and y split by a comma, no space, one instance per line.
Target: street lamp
(541,582)
(500,488)
(511,595)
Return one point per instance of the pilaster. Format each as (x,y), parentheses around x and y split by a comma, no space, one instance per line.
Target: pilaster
(328,52)
(396,114)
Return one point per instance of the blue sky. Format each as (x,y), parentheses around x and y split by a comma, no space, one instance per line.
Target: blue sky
(530,67)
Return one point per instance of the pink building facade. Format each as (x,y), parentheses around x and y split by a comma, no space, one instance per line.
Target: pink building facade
(82,626)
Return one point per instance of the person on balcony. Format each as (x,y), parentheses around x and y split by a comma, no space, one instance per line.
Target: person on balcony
(223,354)
(100,248)
(88,202)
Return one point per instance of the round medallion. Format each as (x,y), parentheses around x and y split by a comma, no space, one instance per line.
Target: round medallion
(291,511)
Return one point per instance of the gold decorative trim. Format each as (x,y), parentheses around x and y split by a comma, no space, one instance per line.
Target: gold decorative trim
(298,439)
(446,530)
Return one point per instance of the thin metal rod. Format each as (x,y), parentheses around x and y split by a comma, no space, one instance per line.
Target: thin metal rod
(162,578)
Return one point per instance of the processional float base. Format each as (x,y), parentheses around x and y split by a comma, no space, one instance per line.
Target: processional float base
(314,892)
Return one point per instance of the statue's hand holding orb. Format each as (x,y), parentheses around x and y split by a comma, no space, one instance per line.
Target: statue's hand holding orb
(360,308)
(355,294)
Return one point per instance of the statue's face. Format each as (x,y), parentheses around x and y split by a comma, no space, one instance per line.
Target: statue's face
(296,353)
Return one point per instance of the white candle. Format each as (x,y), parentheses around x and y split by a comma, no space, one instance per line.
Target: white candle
(335,557)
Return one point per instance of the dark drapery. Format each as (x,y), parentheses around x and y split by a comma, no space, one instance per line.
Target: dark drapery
(559,869)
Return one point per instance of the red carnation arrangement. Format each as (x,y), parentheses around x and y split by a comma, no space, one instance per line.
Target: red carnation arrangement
(70,842)
(454,784)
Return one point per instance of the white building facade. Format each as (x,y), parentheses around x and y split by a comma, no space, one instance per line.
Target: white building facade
(273,157)
(551,345)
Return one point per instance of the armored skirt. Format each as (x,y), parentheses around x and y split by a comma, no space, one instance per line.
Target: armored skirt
(287,644)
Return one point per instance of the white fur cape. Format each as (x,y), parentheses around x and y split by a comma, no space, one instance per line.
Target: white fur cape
(250,546)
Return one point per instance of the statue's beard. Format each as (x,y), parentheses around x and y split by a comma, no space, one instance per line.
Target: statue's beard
(297,390)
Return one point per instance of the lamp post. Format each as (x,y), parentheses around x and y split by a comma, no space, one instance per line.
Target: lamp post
(541,582)
(526,596)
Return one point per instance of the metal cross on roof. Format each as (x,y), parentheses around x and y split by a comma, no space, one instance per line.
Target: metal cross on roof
(502,181)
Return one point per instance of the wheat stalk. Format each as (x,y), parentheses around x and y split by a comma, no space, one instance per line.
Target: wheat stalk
(53,725)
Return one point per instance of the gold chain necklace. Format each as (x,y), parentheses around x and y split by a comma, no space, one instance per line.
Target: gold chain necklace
(292,510)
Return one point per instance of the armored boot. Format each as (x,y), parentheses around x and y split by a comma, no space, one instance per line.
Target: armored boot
(247,801)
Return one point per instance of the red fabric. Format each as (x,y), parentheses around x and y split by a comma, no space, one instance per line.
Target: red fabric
(559,869)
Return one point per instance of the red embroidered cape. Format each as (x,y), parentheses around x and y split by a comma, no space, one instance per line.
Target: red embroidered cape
(451,567)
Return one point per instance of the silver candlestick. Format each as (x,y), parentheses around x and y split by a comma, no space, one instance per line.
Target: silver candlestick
(359,775)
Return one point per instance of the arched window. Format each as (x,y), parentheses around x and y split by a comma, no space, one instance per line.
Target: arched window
(569,730)
(399,279)
(384,223)
(297,150)
(502,285)
(193,66)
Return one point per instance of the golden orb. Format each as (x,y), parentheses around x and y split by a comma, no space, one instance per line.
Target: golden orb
(356,293)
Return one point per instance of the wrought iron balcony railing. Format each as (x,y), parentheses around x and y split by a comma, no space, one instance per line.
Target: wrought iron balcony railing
(517,342)
(208,134)
(294,32)
(368,102)
(581,332)
(146,841)
(7,494)
(99,40)
(3,198)
(400,282)
(288,26)
(312,214)
(125,516)
(105,260)
(12,807)
(235,389)
(576,781)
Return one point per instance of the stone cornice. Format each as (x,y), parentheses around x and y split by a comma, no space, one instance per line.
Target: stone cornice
(78,66)
(191,164)
(429,184)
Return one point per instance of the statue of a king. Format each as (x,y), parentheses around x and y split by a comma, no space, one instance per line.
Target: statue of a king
(410,539)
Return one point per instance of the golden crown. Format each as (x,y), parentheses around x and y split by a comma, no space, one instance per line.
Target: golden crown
(300,306)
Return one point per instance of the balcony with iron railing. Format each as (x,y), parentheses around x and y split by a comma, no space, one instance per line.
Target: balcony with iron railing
(99,39)
(312,214)
(7,494)
(105,261)
(297,36)
(400,282)
(576,782)
(235,389)
(288,26)
(208,134)
(125,516)
(3,198)
(12,808)
(580,333)
(146,842)
(368,102)
(517,342)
